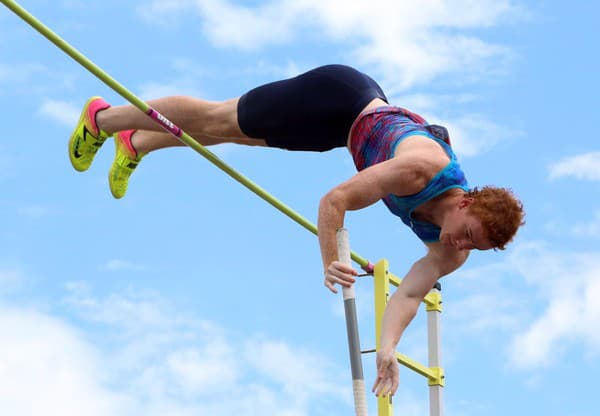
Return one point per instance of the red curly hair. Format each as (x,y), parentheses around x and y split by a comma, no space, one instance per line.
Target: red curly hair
(499,211)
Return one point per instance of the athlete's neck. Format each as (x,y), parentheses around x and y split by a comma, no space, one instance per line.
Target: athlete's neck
(437,210)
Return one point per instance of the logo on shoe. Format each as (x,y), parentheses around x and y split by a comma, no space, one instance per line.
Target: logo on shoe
(76,147)
(77,144)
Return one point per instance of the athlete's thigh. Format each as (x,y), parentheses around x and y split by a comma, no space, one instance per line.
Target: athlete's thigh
(224,120)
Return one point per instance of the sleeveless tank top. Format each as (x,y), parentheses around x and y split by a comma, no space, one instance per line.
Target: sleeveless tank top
(373,139)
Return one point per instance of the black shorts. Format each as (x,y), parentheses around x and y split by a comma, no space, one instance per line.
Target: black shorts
(313,111)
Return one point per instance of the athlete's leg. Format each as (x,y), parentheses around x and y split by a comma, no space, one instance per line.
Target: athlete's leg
(136,135)
(146,141)
(208,122)
(132,145)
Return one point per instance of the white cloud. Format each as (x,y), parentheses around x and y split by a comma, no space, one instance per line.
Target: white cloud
(47,368)
(470,134)
(409,404)
(165,12)
(475,134)
(133,312)
(134,354)
(570,285)
(60,111)
(196,369)
(271,23)
(472,313)
(554,309)
(476,316)
(299,380)
(585,166)
(411,42)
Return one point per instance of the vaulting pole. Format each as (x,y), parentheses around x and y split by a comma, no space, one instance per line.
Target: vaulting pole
(165,123)
(358,380)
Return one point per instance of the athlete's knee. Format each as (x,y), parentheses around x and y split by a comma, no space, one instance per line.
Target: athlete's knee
(222,120)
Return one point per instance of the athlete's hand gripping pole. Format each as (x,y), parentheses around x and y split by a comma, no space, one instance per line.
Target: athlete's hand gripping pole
(358,381)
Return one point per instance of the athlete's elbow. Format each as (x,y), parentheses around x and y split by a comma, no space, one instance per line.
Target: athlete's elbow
(333,200)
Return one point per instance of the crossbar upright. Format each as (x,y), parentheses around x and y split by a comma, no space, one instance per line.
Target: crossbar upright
(434,373)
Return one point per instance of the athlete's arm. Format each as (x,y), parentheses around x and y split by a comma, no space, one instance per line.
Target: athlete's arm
(403,305)
(401,175)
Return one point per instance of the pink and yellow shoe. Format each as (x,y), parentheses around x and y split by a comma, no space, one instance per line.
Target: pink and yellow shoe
(125,162)
(87,137)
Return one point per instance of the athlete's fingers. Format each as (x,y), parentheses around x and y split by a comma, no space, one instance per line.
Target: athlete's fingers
(395,383)
(339,277)
(376,383)
(330,284)
(383,388)
(342,268)
(338,280)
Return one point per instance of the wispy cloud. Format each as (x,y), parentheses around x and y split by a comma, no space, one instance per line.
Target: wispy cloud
(570,284)
(62,112)
(471,134)
(412,43)
(474,134)
(415,42)
(299,380)
(164,13)
(193,78)
(45,358)
(585,166)
(555,309)
(471,313)
(144,357)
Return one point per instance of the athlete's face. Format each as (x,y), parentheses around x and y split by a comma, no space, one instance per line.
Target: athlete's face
(464,231)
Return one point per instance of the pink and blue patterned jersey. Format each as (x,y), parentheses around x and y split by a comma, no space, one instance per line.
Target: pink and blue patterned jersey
(373,139)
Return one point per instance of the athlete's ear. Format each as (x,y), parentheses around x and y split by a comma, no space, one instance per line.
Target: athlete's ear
(465,202)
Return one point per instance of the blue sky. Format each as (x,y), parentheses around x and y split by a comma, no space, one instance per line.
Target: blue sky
(192,296)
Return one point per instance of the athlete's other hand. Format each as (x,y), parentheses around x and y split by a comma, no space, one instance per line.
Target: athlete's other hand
(388,374)
(339,273)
